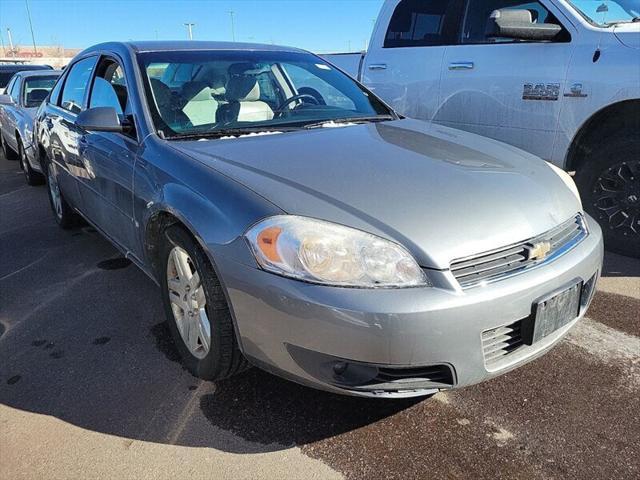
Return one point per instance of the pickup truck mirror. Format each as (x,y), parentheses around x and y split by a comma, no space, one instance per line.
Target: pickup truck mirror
(519,25)
(99,119)
(6,99)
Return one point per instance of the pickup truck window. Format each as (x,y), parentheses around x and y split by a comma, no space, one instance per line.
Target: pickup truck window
(420,23)
(75,86)
(229,90)
(478,13)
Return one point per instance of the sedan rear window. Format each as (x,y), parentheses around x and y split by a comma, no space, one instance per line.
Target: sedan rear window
(36,90)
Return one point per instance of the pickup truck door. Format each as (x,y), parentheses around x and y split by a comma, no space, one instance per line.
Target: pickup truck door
(404,60)
(509,90)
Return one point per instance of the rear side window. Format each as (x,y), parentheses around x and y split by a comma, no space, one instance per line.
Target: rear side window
(55,93)
(76,84)
(14,91)
(420,23)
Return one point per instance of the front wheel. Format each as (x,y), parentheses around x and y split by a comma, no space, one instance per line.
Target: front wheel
(197,310)
(609,182)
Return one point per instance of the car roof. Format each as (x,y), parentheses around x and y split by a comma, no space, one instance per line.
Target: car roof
(39,73)
(19,67)
(188,45)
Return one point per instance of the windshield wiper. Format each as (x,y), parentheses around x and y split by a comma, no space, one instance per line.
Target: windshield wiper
(361,119)
(618,22)
(228,132)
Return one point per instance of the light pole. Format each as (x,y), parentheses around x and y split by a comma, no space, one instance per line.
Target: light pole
(233,26)
(13,52)
(33,38)
(190,29)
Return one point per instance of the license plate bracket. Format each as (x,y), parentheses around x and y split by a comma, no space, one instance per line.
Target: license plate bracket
(553,312)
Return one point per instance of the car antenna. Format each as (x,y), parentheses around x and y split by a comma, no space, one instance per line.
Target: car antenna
(604,8)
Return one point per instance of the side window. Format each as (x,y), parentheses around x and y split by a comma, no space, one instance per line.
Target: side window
(14,92)
(476,20)
(55,93)
(109,88)
(421,23)
(76,85)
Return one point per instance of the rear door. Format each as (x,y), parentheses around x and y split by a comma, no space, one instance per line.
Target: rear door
(65,136)
(506,89)
(403,65)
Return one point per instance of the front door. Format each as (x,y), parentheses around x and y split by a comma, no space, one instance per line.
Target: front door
(509,90)
(109,158)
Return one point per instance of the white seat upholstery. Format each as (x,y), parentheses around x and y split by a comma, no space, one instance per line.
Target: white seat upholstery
(243,95)
(201,107)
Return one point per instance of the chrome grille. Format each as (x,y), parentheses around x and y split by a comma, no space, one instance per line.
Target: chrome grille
(501,341)
(506,261)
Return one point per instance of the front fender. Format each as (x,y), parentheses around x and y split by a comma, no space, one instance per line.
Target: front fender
(215,209)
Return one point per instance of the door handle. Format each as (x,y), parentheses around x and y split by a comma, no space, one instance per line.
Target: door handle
(378,66)
(461,66)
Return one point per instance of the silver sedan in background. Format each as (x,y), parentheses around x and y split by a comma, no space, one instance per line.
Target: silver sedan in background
(295,222)
(25,92)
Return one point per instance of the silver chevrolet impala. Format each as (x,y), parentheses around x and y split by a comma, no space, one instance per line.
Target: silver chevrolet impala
(295,222)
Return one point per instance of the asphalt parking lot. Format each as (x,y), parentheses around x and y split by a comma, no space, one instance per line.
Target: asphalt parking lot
(91,386)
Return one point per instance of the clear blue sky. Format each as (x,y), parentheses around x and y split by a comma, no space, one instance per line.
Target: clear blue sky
(318,25)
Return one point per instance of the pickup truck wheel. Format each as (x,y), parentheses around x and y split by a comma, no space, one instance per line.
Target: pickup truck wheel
(8,152)
(32,177)
(62,212)
(197,310)
(609,183)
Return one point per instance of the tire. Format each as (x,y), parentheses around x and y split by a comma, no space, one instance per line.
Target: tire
(223,358)
(609,183)
(8,152)
(62,211)
(31,176)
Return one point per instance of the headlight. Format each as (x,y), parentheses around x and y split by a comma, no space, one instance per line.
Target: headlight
(568,181)
(327,253)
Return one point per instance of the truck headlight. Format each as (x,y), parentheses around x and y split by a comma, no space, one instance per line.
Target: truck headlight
(323,252)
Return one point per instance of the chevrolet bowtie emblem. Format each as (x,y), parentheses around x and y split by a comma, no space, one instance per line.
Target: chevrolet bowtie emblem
(538,250)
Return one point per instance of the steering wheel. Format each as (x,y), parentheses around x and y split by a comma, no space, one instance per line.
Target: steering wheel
(300,96)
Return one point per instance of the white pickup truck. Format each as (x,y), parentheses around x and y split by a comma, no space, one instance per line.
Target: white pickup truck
(560,79)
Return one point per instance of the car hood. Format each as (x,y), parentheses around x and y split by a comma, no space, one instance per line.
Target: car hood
(442,193)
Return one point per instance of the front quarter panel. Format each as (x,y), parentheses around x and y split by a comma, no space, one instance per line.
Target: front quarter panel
(216,209)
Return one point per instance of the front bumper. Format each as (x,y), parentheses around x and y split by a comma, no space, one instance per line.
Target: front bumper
(299,330)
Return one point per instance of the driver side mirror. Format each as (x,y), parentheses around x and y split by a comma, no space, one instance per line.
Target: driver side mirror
(6,99)
(519,25)
(99,119)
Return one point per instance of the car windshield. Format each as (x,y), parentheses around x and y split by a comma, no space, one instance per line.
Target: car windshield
(36,90)
(608,12)
(217,92)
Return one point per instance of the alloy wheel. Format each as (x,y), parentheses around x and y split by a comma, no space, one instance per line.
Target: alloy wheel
(188,302)
(616,198)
